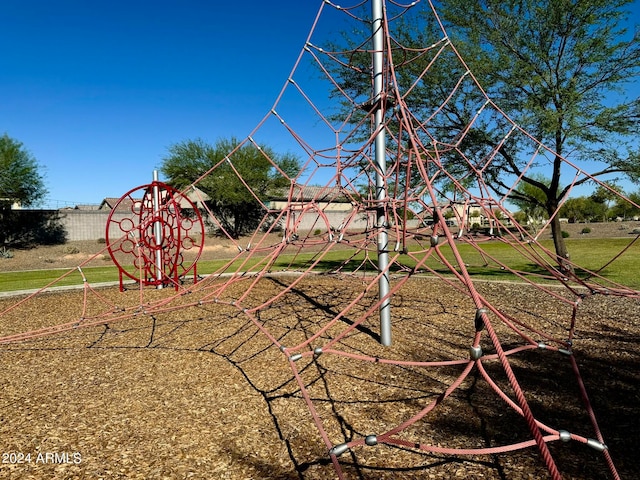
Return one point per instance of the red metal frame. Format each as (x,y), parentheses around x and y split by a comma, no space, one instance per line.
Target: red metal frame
(149,256)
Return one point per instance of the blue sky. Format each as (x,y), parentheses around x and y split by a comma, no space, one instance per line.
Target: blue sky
(97,91)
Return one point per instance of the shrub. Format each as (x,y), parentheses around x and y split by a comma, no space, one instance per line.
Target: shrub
(5,253)
(585,230)
(102,240)
(565,234)
(70,249)
(317,231)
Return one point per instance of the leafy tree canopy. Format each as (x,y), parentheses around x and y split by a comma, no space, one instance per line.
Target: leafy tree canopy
(22,183)
(559,68)
(20,178)
(530,200)
(237,178)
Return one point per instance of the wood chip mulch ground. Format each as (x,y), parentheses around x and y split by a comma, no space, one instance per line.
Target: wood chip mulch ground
(198,392)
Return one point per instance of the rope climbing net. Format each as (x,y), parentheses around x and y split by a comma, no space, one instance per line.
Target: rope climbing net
(436,184)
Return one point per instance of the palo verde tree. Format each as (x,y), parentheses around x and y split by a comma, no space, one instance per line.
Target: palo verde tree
(242,177)
(558,68)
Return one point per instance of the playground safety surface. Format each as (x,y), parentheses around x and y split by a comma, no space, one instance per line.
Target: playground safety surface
(199,392)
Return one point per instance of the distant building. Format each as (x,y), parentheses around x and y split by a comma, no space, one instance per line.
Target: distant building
(325,198)
(87,207)
(110,203)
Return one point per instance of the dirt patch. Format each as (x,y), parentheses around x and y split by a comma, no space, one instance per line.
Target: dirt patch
(58,256)
(196,390)
(601,230)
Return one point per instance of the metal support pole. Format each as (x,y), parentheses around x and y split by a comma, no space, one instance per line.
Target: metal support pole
(157,230)
(381,169)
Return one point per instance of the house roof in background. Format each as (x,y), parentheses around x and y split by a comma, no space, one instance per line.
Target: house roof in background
(308,193)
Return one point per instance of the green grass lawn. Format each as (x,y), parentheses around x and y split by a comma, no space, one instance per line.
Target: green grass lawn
(34,279)
(591,254)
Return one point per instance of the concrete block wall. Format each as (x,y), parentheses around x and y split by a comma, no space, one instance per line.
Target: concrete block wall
(91,224)
(84,224)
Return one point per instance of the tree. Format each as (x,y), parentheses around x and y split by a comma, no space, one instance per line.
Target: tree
(21,183)
(20,179)
(582,209)
(243,177)
(558,68)
(574,209)
(530,200)
(606,195)
(626,210)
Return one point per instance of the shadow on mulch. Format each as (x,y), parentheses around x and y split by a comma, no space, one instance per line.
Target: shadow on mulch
(201,393)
